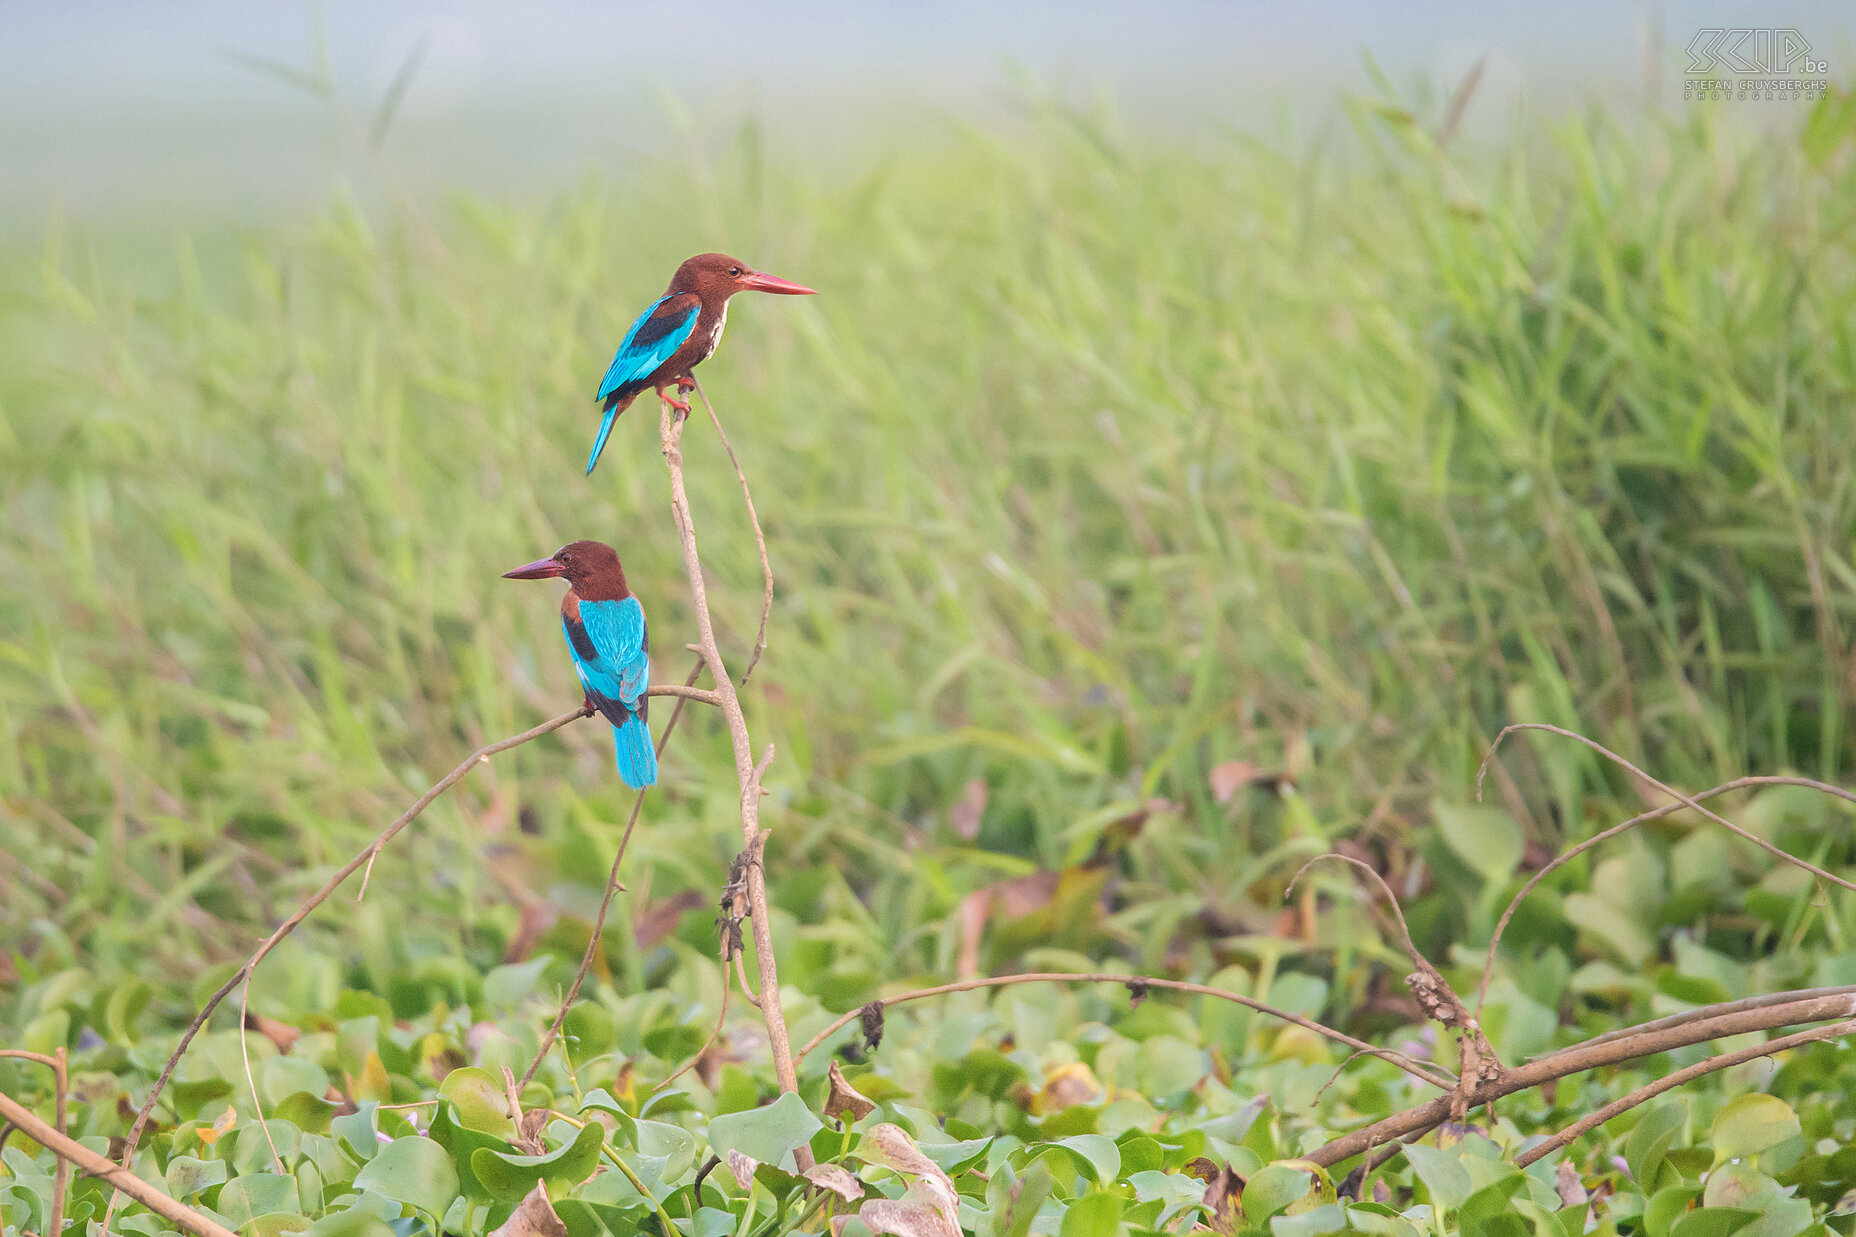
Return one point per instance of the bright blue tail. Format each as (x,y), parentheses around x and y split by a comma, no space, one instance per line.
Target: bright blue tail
(605,431)
(637,759)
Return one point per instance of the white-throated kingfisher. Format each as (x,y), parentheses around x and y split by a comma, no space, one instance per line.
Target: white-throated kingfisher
(678,333)
(610,644)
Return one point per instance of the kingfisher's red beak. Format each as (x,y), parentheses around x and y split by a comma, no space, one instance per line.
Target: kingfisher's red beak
(755,281)
(540,569)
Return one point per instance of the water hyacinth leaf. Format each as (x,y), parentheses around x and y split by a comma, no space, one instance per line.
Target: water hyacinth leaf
(1272,1189)
(1095,1154)
(890,1146)
(244,1199)
(1650,1140)
(1093,1215)
(843,1099)
(1713,1222)
(511,1177)
(187,1176)
(284,1076)
(460,1144)
(1332,1218)
(481,1100)
(1443,1175)
(414,1171)
(1486,839)
(955,1156)
(352,1221)
(1667,1206)
(769,1134)
(1750,1124)
(308,1113)
(358,1132)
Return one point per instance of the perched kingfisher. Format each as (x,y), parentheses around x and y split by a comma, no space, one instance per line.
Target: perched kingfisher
(678,333)
(610,645)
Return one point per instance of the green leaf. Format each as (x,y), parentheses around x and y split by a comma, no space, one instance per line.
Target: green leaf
(482,1103)
(284,1076)
(1749,1124)
(1093,1215)
(308,1113)
(1097,1154)
(769,1134)
(1273,1188)
(244,1199)
(414,1171)
(274,1224)
(1442,1173)
(354,1221)
(460,1144)
(1713,1222)
(187,1176)
(1667,1206)
(510,1177)
(1649,1142)
(358,1132)
(1486,839)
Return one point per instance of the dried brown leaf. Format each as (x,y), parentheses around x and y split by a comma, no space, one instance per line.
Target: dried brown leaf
(836,1179)
(1229,777)
(534,1217)
(844,1098)
(280,1033)
(1566,1181)
(742,1166)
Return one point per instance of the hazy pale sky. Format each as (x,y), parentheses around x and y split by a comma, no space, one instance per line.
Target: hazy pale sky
(128,106)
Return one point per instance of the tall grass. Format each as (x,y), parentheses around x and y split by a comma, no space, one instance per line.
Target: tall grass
(1099,463)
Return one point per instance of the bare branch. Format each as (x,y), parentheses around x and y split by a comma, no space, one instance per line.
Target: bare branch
(1178,985)
(480,756)
(1579,1059)
(1593,1120)
(670,434)
(126,1182)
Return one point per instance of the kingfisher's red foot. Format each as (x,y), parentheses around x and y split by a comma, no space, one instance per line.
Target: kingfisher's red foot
(681,405)
(686,385)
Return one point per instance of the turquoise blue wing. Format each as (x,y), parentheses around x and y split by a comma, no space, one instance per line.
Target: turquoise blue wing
(654,337)
(611,647)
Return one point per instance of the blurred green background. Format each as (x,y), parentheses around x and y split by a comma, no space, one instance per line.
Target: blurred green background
(1149,513)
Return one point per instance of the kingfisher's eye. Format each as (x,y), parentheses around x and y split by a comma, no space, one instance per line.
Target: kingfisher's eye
(734,272)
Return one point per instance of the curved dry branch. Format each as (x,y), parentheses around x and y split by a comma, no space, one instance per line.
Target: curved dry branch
(1560,861)
(612,880)
(1777,852)
(760,538)
(1178,985)
(480,756)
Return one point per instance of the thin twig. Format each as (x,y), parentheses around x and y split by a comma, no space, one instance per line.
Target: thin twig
(1776,851)
(1704,1012)
(1178,985)
(1560,861)
(67,1148)
(760,539)
(714,1035)
(670,434)
(612,886)
(244,1052)
(1593,1120)
(316,899)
